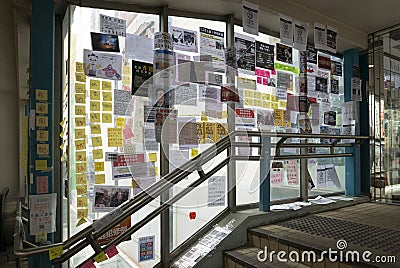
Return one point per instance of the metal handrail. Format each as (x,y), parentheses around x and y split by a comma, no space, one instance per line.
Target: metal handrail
(89,235)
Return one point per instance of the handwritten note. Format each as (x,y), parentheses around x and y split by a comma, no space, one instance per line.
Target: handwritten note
(106,118)
(95,129)
(41,95)
(114,137)
(94,84)
(105,85)
(80,88)
(100,178)
(97,142)
(98,154)
(95,106)
(40,164)
(107,106)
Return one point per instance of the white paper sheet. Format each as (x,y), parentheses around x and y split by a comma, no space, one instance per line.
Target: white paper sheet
(286,29)
(319,35)
(42,213)
(112,25)
(300,35)
(250,18)
(139,48)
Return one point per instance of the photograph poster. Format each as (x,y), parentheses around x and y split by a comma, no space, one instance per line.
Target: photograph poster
(107,197)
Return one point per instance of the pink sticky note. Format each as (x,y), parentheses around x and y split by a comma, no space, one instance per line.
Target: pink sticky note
(42,184)
(257,71)
(265,81)
(267,74)
(273,72)
(259,80)
(88,264)
(112,251)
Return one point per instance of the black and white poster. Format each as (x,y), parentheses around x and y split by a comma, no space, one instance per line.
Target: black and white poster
(312,55)
(245,53)
(285,80)
(250,18)
(321,84)
(331,38)
(212,43)
(300,35)
(330,118)
(334,86)
(284,53)
(184,40)
(112,25)
(319,36)
(264,55)
(356,85)
(286,29)
(336,68)
(141,71)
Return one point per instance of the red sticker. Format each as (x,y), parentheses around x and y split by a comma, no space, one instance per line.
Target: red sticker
(192,215)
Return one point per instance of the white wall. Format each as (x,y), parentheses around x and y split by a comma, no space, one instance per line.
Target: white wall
(8,101)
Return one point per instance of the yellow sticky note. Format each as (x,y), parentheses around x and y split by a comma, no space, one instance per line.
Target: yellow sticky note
(156,170)
(82,201)
(95,117)
(100,178)
(126,70)
(79,67)
(282,104)
(40,237)
(250,102)
(98,154)
(152,157)
(80,77)
(42,135)
(80,167)
(42,108)
(55,252)
(98,166)
(81,179)
(80,121)
(120,122)
(95,129)
(81,189)
(80,145)
(80,156)
(126,80)
(41,95)
(106,118)
(204,118)
(107,96)
(114,137)
(224,114)
(80,88)
(194,152)
(269,105)
(95,106)
(135,184)
(95,84)
(274,105)
(82,213)
(80,110)
(97,142)
(80,98)
(40,164)
(80,133)
(258,103)
(42,149)
(94,94)
(80,222)
(107,106)
(105,85)
(42,121)
(274,98)
(100,257)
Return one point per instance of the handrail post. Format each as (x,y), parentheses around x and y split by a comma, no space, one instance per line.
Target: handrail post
(304,174)
(265,164)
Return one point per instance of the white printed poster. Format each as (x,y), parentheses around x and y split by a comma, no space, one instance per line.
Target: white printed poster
(331,38)
(321,176)
(212,43)
(277,174)
(250,18)
(102,64)
(139,48)
(356,89)
(286,29)
(292,172)
(300,35)
(112,25)
(184,39)
(163,41)
(122,101)
(216,191)
(42,213)
(245,117)
(185,94)
(319,36)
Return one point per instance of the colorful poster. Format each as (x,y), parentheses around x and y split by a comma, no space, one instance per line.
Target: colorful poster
(212,43)
(245,53)
(300,35)
(114,232)
(284,53)
(121,166)
(330,118)
(245,117)
(265,55)
(106,198)
(319,36)
(336,68)
(286,29)
(321,84)
(331,38)
(250,18)
(102,65)
(139,48)
(146,248)
(324,62)
(141,72)
(112,25)
(184,39)
(104,42)
(216,191)
(42,213)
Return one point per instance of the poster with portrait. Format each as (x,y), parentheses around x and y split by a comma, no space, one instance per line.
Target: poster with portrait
(245,52)
(107,197)
(160,96)
(184,39)
(284,53)
(330,118)
(265,118)
(102,64)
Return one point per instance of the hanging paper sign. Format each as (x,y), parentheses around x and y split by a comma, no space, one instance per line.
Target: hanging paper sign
(250,18)
(42,213)
(264,55)
(102,65)
(331,38)
(183,39)
(300,35)
(312,55)
(216,191)
(112,25)
(319,36)
(286,29)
